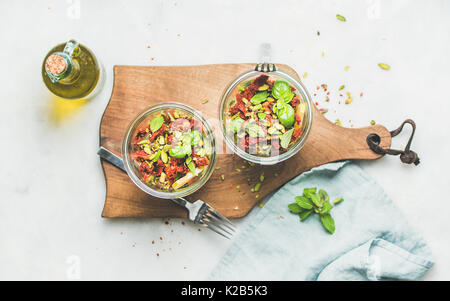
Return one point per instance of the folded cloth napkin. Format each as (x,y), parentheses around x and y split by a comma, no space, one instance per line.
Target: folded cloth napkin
(372,240)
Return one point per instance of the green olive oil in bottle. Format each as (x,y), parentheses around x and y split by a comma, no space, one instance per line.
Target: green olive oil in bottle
(71,71)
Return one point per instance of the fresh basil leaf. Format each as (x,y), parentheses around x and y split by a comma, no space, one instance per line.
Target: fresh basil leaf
(236,124)
(303,202)
(304,215)
(286,114)
(187,149)
(327,222)
(259,97)
(156,123)
(282,89)
(326,208)
(324,195)
(294,207)
(178,152)
(286,138)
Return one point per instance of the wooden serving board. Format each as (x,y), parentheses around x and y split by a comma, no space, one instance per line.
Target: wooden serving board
(135,88)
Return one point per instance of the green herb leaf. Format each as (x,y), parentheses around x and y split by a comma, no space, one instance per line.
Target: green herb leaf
(282,89)
(178,152)
(341,18)
(338,200)
(307,190)
(324,195)
(236,124)
(315,198)
(327,222)
(285,113)
(259,97)
(286,138)
(326,208)
(303,202)
(156,123)
(304,215)
(294,207)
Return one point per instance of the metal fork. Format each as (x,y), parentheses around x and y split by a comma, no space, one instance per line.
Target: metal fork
(199,212)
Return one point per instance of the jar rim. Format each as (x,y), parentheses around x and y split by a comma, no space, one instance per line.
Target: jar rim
(126,155)
(270,160)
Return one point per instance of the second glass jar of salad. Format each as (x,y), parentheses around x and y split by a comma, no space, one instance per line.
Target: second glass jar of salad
(265,115)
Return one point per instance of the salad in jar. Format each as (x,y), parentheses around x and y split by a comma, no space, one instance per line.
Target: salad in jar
(172,150)
(265,116)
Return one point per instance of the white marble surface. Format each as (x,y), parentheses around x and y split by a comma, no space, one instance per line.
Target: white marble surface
(51,183)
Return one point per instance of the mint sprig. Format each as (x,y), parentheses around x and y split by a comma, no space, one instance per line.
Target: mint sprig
(315,202)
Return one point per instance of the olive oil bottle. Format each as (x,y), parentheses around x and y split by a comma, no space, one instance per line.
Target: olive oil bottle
(71,71)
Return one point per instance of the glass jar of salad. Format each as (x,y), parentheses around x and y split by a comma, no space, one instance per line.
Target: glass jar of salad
(266,115)
(169,150)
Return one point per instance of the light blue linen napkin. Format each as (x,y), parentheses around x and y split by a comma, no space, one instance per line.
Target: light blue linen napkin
(372,240)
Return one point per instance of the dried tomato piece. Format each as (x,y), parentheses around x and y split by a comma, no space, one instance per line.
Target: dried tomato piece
(140,155)
(145,168)
(260,80)
(297,133)
(295,101)
(157,133)
(200,161)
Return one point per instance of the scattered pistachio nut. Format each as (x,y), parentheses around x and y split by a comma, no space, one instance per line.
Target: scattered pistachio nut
(384,66)
(341,18)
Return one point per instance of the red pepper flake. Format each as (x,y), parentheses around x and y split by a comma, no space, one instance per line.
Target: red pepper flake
(341,95)
(153,242)
(339,102)
(152,58)
(317,103)
(328,93)
(318,88)
(157,254)
(148,46)
(182,223)
(315,94)
(160,238)
(361,95)
(199,230)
